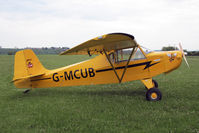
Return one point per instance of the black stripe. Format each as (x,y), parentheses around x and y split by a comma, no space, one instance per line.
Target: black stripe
(148,64)
(125,34)
(40,79)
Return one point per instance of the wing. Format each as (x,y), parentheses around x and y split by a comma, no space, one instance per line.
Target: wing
(108,42)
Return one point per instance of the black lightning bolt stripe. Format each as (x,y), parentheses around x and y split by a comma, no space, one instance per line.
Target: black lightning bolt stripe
(148,64)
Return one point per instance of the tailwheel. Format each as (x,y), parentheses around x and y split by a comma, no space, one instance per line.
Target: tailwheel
(26,91)
(153,94)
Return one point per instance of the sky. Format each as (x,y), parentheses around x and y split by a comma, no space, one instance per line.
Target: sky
(67,23)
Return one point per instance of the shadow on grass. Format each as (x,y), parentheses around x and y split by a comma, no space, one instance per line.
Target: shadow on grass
(77,92)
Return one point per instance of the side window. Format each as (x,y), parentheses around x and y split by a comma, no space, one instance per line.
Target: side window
(124,54)
(118,56)
(112,57)
(138,55)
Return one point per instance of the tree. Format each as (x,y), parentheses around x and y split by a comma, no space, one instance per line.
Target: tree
(11,52)
(169,48)
(193,53)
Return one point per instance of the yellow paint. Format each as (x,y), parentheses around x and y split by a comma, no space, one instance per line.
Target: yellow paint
(154,95)
(107,42)
(26,67)
(29,72)
(148,83)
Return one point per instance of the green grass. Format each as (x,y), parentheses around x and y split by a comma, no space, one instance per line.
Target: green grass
(102,108)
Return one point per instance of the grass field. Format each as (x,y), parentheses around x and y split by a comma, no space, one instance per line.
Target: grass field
(103,108)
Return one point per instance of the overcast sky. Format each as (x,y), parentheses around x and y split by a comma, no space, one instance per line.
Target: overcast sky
(66,23)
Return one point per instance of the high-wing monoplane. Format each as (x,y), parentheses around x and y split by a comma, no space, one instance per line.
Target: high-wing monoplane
(120,59)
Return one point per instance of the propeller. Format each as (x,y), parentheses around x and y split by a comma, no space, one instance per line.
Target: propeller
(181,49)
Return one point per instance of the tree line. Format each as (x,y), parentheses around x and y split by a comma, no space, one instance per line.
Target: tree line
(189,53)
(43,50)
(57,50)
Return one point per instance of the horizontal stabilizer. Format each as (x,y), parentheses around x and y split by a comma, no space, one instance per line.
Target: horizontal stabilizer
(30,76)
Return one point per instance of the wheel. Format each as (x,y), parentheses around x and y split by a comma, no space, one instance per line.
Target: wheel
(153,94)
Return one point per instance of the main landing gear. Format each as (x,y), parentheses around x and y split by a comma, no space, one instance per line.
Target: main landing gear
(153,93)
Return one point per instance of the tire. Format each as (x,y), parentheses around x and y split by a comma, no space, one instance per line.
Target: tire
(153,94)
(155,84)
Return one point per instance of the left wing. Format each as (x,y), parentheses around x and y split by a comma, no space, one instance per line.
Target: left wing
(108,42)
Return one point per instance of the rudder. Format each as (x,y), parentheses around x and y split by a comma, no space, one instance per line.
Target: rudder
(27,65)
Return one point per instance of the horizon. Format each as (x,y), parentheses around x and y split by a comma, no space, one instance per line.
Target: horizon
(70,48)
(43,23)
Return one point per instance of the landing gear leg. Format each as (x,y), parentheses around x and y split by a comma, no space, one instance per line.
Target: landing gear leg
(148,84)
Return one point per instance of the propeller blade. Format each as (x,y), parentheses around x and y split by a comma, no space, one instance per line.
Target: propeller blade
(181,49)
(186,61)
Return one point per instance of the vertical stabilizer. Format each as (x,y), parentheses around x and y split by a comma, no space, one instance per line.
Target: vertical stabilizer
(27,65)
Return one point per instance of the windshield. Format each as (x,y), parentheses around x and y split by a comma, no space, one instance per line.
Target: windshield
(138,55)
(146,50)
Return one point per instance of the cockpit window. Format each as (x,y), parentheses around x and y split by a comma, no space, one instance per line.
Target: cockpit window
(124,54)
(112,57)
(138,55)
(120,55)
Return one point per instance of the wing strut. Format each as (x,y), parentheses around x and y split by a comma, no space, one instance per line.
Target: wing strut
(120,79)
(112,65)
(127,64)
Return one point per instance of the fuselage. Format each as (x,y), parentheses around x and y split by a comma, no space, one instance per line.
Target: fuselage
(99,71)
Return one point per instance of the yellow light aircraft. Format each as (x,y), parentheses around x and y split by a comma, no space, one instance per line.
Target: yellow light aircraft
(120,59)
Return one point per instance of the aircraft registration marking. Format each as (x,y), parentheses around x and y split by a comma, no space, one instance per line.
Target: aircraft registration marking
(76,74)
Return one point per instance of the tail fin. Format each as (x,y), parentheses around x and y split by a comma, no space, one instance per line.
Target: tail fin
(27,65)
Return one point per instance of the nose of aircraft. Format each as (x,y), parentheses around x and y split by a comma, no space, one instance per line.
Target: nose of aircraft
(179,55)
(174,59)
